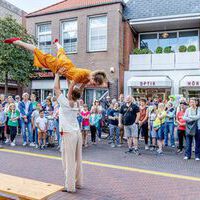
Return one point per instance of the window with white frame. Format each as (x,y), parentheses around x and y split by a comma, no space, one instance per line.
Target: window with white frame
(69,36)
(44,37)
(98,33)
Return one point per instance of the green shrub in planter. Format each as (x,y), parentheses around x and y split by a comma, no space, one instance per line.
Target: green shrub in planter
(168,49)
(159,50)
(136,51)
(191,48)
(145,51)
(182,48)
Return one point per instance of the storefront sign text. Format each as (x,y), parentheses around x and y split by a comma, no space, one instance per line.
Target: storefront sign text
(193,83)
(147,83)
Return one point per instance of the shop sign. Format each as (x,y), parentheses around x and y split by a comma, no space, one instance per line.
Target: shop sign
(147,83)
(43,75)
(193,83)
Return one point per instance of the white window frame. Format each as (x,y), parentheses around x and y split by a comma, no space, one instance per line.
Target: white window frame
(43,33)
(62,33)
(89,33)
(172,31)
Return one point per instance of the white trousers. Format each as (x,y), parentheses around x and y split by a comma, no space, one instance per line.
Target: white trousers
(71,151)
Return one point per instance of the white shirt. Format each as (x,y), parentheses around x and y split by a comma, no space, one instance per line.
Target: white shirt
(67,116)
(35,115)
(42,122)
(26,106)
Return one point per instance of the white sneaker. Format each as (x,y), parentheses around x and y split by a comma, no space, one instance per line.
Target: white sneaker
(24,144)
(185,158)
(146,147)
(197,159)
(36,146)
(31,144)
(7,141)
(12,144)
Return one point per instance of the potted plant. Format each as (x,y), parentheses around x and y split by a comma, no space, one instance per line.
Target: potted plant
(168,49)
(191,48)
(187,59)
(159,50)
(163,60)
(141,59)
(182,49)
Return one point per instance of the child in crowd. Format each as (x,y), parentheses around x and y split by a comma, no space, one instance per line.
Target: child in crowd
(64,66)
(35,115)
(41,122)
(2,123)
(94,120)
(13,116)
(85,124)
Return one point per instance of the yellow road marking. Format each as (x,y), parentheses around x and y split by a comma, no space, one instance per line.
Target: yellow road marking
(150,172)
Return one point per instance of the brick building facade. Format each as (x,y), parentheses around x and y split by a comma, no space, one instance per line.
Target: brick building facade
(110,27)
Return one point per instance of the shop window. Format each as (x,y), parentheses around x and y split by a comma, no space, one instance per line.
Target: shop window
(44,37)
(149,41)
(69,36)
(170,40)
(189,38)
(98,33)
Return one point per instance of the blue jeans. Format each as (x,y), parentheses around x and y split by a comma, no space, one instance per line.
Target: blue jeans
(161,132)
(169,128)
(56,125)
(189,140)
(99,131)
(30,133)
(36,135)
(114,130)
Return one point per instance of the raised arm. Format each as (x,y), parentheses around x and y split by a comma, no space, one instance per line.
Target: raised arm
(57,85)
(71,87)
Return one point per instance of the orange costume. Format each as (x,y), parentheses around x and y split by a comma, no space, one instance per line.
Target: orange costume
(48,61)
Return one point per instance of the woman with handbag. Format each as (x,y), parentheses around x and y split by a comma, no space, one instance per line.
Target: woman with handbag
(191,116)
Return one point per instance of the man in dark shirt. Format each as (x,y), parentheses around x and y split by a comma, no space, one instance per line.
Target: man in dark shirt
(129,117)
(113,117)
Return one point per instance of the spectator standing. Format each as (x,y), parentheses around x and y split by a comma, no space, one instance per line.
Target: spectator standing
(3,100)
(129,117)
(34,117)
(159,126)
(56,120)
(13,116)
(143,122)
(192,116)
(33,101)
(169,123)
(85,124)
(181,126)
(152,117)
(121,102)
(114,128)
(26,109)
(2,123)
(42,129)
(93,120)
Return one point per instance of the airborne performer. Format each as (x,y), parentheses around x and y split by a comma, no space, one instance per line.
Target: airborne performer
(64,66)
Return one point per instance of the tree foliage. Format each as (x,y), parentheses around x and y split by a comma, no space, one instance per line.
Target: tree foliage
(16,62)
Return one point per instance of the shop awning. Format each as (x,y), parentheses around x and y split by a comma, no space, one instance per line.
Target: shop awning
(47,84)
(149,82)
(190,81)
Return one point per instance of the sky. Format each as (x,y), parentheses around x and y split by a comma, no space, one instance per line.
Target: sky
(32,5)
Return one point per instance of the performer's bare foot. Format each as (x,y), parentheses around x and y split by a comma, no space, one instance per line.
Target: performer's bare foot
(11,40)
(65,190)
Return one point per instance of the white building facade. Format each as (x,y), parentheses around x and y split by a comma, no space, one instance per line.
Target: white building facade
(161,74)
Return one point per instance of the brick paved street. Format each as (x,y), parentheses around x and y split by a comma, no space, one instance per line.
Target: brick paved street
(105,183)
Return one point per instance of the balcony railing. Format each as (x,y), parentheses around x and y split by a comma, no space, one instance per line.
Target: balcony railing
(170,61)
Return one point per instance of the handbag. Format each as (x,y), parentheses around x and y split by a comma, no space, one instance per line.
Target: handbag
(191,127)
(123,117)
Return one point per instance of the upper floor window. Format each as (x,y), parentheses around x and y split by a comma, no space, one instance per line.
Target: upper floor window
(172,38)
(44,37)
(69,36)
(98,33)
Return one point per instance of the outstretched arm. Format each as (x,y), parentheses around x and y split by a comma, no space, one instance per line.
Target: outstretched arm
(71,87)
(57,85)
